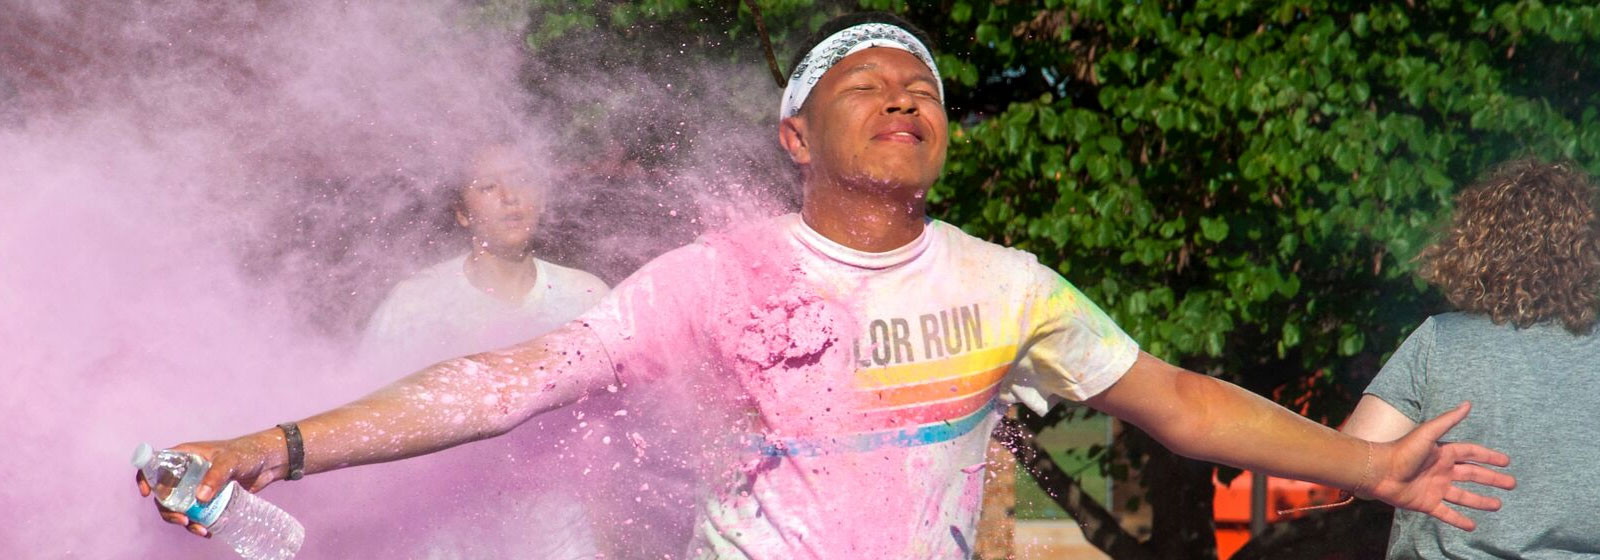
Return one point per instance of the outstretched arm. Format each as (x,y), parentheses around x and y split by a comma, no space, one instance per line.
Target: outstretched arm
(1205,418)
(447,404)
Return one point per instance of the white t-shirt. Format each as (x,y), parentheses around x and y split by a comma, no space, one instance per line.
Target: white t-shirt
(503,502)
(438,314)
(860,388)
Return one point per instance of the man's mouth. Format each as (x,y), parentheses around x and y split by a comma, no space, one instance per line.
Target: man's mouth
(905,137)
(902,132)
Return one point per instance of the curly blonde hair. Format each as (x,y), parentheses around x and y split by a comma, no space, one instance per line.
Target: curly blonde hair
(1523,247)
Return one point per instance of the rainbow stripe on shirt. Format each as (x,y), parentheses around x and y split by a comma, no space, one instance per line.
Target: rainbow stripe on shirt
(902,401)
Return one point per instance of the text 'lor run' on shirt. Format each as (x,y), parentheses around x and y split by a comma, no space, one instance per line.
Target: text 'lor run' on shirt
(861,388)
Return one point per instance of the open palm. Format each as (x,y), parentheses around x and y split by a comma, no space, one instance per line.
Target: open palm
(1419,473)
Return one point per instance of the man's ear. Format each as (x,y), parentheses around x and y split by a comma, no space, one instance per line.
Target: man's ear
(461,217)
(792,135)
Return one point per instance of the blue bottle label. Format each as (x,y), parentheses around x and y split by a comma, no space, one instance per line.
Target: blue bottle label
(207,513)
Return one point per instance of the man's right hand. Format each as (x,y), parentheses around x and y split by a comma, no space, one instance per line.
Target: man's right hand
(403,420)
(255,461)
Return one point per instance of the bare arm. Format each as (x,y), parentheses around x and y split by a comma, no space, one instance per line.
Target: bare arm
(1376,420)
(447,404)
(457,401)
(1205,418)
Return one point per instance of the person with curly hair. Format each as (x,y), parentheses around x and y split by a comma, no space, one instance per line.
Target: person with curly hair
(1520,259)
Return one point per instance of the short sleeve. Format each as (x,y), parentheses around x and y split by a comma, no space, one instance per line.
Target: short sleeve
(646,324)
(1403,380)
(1071,348)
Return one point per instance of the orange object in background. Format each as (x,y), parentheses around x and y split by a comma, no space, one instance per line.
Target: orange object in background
(1231,506)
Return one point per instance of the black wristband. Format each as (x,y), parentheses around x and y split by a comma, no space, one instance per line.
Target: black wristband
(297,450)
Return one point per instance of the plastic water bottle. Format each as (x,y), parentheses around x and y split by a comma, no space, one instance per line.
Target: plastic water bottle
(255,528)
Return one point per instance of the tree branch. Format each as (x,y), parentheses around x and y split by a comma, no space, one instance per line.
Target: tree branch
(1099,527)
(766,44)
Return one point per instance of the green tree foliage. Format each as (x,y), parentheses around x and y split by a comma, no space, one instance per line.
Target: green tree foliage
(1241,185)
(1246,183)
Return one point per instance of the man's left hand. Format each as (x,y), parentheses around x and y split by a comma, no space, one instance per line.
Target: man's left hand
(1419,473)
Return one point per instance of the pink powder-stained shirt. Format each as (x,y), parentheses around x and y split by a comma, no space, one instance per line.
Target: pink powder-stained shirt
(847,397)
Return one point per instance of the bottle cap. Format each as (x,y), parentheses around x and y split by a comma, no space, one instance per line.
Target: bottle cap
(142,455)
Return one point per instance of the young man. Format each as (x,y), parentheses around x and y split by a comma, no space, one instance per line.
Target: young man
(861,352)
(497,292)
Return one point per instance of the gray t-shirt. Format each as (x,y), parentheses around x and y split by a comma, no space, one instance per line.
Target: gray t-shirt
(1535,395)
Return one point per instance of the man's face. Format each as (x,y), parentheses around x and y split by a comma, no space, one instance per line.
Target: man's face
(502,204)
(876,118)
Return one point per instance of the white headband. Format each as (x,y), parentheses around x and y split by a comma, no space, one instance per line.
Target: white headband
(846,42)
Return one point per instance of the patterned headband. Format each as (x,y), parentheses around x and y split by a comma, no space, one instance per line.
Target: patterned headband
(845,43)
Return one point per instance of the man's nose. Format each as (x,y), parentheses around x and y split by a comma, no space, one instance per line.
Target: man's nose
(900,102)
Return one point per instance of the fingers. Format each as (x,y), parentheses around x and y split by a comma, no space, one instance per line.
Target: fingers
(223,467)
(1477,454)
(1441,424)
(221,471)
(214,479)
(176,518)
(1452,517)
(1472,500)
(173,517)
(1483,475)
(1464,455)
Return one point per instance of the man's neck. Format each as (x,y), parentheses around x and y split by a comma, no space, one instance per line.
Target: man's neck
(871,220)
(505,277)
